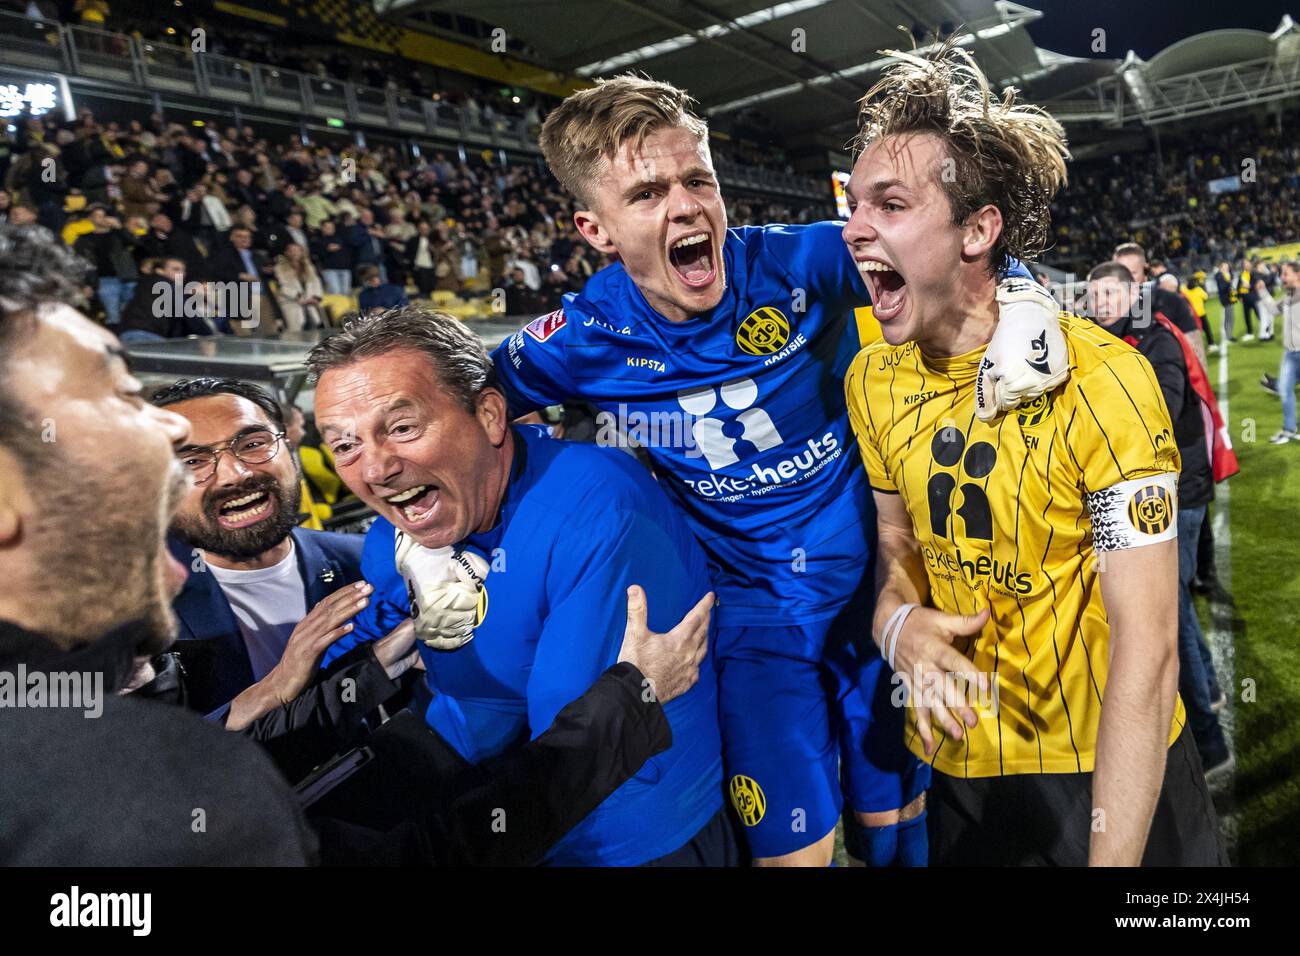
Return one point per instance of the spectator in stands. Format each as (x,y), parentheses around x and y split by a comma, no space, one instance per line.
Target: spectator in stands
(150,316)
(41,179)
(234,260)
(520,298)
(203,216)
(292,230)
(245,191)
(108,249)
(446,261)
(139,198)
(299,289)
(316,205)
(421,259)
(522,261)
(369,245)
(377,295)
(470,247)
(191,161)
(245,218)
(161,241)
(1114,297)
(1289,373)
(334,258)
(22,214)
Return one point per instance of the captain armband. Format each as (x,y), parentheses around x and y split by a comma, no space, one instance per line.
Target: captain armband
(1135,513)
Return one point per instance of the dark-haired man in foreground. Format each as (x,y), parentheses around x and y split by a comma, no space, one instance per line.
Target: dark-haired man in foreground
(84,599)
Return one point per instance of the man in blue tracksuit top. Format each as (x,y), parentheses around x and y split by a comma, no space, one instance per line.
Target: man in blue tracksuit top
(723,353)
(409,405)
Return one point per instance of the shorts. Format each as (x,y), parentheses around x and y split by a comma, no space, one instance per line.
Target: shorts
(1045,819)
(801,736)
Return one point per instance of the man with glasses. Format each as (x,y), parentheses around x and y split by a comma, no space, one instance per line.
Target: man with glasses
(262,593)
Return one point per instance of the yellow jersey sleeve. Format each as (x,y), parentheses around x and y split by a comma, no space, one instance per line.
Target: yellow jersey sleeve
(1120,427)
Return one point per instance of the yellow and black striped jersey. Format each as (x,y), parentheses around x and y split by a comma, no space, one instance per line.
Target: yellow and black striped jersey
(1008,515)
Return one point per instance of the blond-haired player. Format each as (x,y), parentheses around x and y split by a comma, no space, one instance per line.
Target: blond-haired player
(724,351)
(1027,567)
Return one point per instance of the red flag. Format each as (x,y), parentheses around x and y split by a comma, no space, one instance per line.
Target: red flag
(1223,460)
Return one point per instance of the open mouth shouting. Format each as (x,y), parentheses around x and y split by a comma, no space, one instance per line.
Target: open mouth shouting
(693,259)
(887,286)
(417,506)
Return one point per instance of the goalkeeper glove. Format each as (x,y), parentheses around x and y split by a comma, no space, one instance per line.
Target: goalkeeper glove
(446,591)
(1027,356)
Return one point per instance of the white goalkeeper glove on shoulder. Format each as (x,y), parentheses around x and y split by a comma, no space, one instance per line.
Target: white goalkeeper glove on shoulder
(1027,356)
(446,591)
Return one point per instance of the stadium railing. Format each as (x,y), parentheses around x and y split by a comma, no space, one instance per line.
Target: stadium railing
(119,58)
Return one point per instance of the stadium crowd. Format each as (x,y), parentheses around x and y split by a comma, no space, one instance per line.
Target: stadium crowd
(1186,205)
(232,205)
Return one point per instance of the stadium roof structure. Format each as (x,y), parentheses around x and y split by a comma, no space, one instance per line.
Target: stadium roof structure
(801,65)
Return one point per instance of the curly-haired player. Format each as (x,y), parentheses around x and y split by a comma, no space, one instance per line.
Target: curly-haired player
(1027,570)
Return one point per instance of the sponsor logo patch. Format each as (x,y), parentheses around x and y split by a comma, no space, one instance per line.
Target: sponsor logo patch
(544,327)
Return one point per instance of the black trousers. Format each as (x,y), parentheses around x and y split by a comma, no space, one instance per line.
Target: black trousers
(1046,819)
(425,280)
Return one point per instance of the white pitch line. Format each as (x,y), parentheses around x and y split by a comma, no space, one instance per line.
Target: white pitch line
(1222,646)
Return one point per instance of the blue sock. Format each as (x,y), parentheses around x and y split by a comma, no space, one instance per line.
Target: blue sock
(898,844)
(878,845)
(914,842)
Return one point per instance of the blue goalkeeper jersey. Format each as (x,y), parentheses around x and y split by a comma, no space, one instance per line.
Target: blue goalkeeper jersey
(577,526)
(741,409)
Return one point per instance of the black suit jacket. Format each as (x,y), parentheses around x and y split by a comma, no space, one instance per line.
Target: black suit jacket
(225,263)
(209,641)
(121,789)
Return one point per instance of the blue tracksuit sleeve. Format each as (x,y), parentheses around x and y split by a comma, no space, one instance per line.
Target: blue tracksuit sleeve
(531,364)
(583,632)
(389,605)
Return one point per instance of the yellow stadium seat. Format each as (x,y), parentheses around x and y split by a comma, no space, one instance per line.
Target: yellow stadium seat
(336,306)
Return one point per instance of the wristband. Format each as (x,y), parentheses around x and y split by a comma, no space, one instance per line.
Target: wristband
(893,628)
